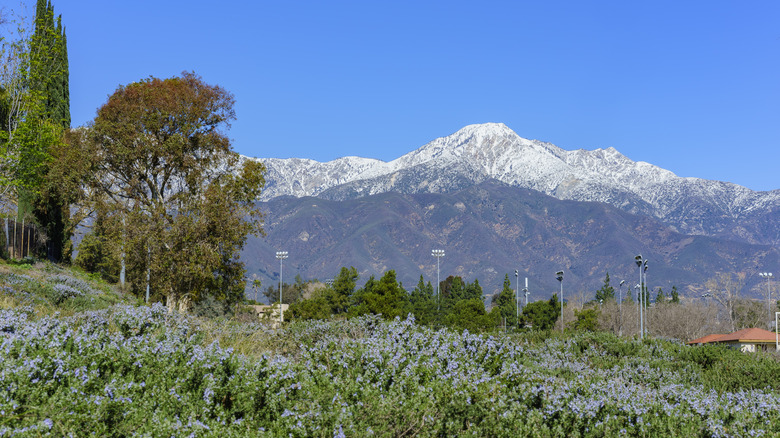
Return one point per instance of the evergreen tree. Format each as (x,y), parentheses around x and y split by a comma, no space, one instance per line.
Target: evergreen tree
(606,293)
(660,298)
(423,302)
(541,315)
(452,290)
(675,296)
(506,303)
(586,319)
(49,69)
(383,297)
(49,83)
(473,291)
(470,314)
(343,289)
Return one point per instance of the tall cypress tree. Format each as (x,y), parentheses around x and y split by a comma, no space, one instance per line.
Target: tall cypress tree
(49,83)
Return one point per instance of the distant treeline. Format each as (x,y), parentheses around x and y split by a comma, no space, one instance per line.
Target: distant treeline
(456,304)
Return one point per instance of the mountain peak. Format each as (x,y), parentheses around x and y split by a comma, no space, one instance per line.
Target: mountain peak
(480,133)
(480,152)
(486,128)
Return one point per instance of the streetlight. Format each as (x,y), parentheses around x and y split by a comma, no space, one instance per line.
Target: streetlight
(646,297)
(438,253)
(638,307)
(517,295)
(639,262)
(768,276)
(559,277)
(620,307)
(281,255)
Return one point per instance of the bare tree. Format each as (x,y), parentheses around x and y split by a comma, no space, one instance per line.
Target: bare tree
(578,299)
(691,320)
(14,100)
(750,313)
(610,318)
(725,290)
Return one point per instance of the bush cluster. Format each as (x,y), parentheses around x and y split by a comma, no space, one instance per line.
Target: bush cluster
(140,371)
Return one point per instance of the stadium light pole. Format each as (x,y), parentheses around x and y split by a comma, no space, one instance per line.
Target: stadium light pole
(646,297)
(638,260)
(281,255)
(768,276)
(638,307)
(438,253)
(517,296)
(559,277)
(620,306)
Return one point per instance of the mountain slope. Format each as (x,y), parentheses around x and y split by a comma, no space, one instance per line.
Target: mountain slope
(487,230)
(478,153)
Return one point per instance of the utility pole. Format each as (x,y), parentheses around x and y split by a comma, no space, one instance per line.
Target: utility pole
(525,291)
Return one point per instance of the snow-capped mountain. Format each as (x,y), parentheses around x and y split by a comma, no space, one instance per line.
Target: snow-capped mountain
(477,153)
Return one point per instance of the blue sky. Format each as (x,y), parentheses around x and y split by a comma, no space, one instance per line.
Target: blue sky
(691,86)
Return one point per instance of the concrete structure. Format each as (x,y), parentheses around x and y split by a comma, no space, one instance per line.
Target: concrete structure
(270,313)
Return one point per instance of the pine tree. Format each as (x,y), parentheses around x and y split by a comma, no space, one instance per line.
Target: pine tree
(506,303)
(473,291)
(675,296)
(661,297)
(606,293)
(423,302)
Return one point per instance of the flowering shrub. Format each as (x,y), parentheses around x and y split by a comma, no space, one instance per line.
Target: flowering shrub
(74,283)
(15,279)
(141,371)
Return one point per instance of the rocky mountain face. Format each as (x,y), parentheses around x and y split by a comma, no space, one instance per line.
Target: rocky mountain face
(497,202)
(478,153)
(487,231)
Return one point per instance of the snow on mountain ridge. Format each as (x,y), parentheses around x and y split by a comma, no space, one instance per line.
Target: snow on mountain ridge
(493,151)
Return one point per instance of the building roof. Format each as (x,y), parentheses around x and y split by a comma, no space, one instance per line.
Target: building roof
(745,335)
(748,335)
(706,339)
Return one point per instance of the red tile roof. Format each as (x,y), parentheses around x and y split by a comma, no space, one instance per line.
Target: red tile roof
(748,335)
(706,339)
(744,335)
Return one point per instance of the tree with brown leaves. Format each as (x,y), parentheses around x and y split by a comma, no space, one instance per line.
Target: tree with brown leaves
(174,197)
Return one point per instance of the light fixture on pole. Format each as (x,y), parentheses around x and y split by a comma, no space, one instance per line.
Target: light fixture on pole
(768,276)
(620,306)
(559,277)
(646,297)
(281,255)
(438,253)
(517,296)
(638,260)
(638,307)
